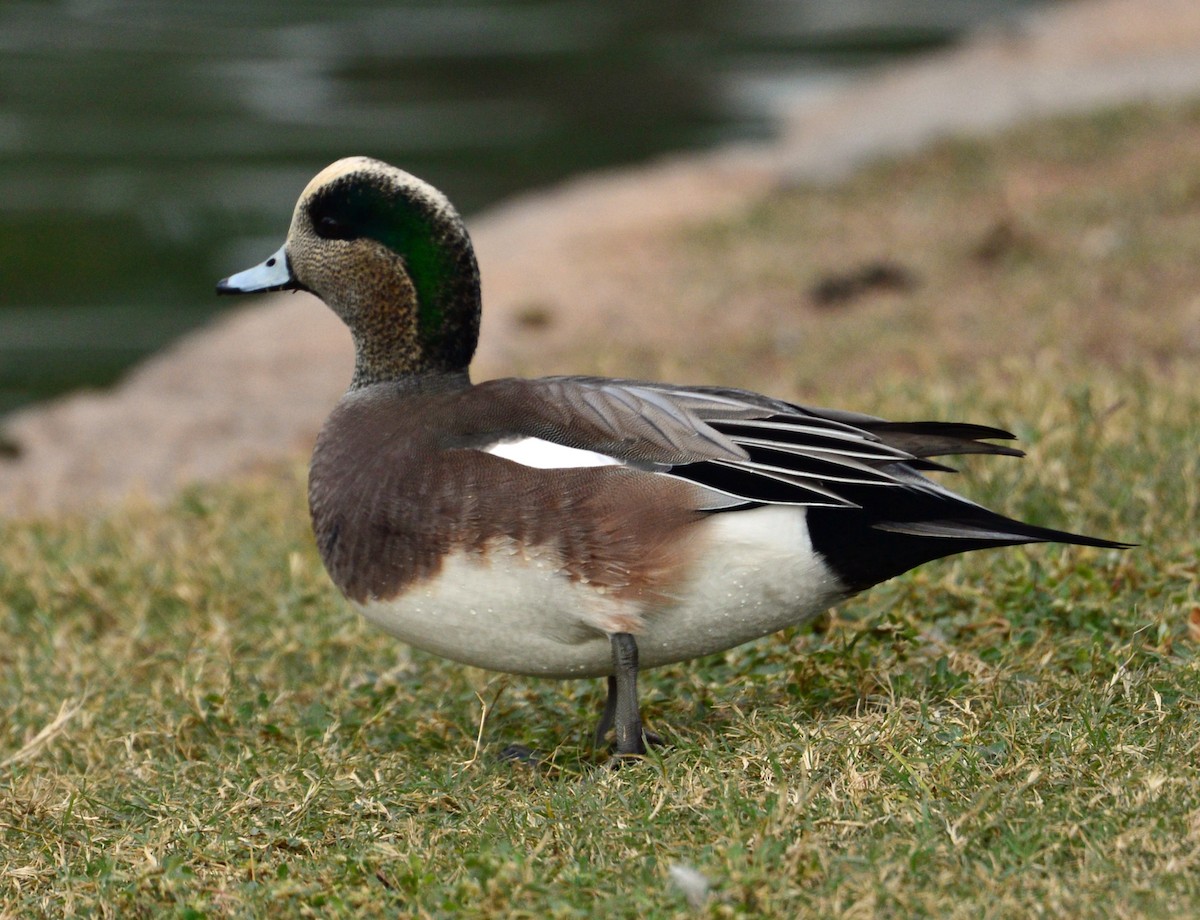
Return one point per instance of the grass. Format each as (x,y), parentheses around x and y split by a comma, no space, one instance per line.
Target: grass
(193,724)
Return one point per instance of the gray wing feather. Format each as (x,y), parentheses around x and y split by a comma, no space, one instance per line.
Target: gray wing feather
(742,446)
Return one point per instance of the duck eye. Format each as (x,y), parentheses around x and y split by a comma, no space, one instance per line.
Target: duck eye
(331,228)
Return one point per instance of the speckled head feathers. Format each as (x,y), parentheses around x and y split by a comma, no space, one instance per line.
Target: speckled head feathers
(391,256)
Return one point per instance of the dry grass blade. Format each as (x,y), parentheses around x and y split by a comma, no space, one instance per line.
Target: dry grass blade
(66,712)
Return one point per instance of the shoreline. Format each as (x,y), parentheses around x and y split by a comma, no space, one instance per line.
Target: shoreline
(253,386)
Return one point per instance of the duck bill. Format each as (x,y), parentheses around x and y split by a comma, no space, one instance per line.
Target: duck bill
(275,274)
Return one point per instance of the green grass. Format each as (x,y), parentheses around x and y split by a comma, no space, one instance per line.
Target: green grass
(193,724)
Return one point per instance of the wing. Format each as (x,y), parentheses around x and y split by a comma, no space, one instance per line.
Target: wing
(745,447)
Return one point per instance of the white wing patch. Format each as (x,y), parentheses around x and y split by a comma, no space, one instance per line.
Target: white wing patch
(546,455)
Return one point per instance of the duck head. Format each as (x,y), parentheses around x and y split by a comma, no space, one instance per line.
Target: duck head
(390,255)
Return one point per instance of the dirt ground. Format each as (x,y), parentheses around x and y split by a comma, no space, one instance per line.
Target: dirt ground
(576,263)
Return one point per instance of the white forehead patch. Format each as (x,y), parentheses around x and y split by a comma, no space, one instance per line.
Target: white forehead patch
(437,202)
(546,455)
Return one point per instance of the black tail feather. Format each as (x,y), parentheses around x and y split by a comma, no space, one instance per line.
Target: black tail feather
(996,530)
(938,439)
(900,529)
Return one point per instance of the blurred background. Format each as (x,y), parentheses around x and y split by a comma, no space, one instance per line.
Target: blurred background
(149,148)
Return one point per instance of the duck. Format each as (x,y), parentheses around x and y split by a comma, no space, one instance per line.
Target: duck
(577,527)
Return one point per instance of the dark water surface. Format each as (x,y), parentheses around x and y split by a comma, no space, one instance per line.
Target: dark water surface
(148,148)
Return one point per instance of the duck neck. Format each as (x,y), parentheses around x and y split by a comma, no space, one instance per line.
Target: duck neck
(432,326)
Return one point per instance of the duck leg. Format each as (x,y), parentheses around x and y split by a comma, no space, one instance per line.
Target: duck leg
(610,712)
(621,710)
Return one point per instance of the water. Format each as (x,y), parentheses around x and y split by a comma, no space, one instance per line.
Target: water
(148,148)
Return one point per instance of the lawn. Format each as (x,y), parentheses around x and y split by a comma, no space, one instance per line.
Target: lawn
(193,724)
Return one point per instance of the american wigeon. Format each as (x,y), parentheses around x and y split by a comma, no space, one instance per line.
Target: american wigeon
(576,527)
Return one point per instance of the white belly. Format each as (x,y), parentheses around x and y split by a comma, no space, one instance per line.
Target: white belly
(756,573)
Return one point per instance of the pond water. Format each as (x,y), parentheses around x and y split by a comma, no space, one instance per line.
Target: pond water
(150,147)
